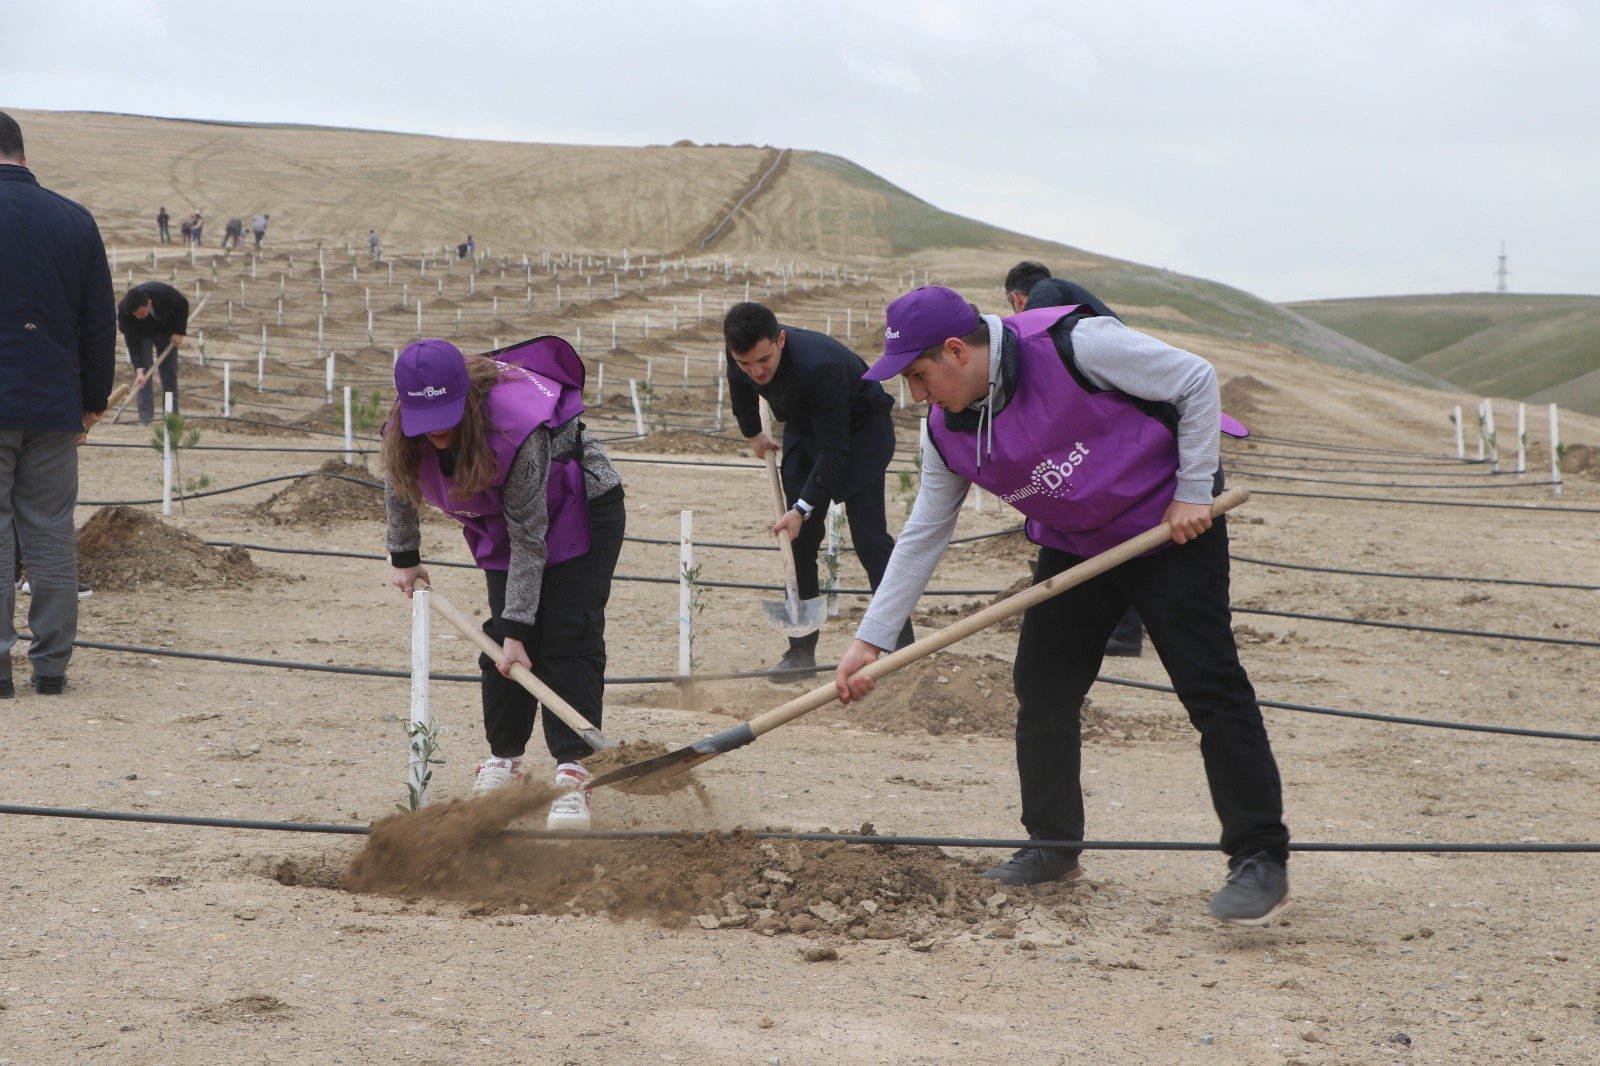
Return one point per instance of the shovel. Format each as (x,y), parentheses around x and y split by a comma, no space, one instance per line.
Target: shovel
(676,762)
(791,615)
(520,674)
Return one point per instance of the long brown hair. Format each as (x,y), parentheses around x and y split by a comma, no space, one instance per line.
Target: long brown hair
(475,465)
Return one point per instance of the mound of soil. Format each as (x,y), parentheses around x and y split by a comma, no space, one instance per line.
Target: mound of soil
(682,442)
(249,423)
(1246,395)
(319,501)
(972,694)
(121,549)
(1581,459)
(455,851)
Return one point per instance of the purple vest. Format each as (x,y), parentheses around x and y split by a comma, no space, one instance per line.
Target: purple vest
(1088,469)
(541,385)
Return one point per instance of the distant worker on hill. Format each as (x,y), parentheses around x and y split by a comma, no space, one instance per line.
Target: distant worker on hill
(1030,285)
(838,440)
(374,248)
(196,226)
(258,226)
(186,230)
(467,249)
(232,232)
(57,358)
(163,228)
(152,316)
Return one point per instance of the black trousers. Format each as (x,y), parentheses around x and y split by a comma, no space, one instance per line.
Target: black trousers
(142,351)
(568,646)
(870,450)
(1182,594)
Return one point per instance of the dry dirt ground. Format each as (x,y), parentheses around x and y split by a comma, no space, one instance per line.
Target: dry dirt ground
(449,942)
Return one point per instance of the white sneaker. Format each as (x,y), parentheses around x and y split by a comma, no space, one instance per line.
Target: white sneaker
(495,773)
(570,810)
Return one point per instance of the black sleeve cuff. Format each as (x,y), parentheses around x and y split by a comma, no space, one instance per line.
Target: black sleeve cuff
(516,630)
(405,559)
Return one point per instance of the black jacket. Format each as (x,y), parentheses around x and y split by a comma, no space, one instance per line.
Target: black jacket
(169,311)
(57,309)
(1059,292)
(824,404)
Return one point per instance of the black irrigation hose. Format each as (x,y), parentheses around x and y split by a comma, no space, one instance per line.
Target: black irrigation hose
(1373,716)
(1248,451)
(804,673)
(1429,503)
(1247,461)
(1400,484)
(1415,577)
(1342,447)
(1485,634)
(232,488)
(873,839)
(234,448)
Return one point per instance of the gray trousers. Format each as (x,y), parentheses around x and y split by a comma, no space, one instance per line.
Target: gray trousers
(38,491)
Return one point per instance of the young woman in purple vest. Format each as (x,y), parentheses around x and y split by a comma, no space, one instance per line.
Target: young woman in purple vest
(1095,432)
(496,443)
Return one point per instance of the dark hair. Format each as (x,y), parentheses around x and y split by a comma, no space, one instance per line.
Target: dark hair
(1025,275)
(746,325)
(978,338)
(134,299)
(10,138)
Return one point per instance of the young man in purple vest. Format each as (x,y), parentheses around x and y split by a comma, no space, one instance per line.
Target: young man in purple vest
(1095,432)
(1030,285)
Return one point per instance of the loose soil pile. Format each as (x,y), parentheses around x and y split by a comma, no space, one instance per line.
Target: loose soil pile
(1580,459)
(121,549)
(456,852)
(1246,395)
(971,694)
(326,497)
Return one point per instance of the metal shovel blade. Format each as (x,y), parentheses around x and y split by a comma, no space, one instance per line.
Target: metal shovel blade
(807,617)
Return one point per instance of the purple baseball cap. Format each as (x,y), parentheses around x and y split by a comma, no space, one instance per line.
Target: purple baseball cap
(431,378)
(921,319)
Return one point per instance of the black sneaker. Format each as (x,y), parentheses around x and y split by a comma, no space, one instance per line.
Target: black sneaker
(1257,889)
(49,686)
(1035,866)
(796,664)
(1124,649)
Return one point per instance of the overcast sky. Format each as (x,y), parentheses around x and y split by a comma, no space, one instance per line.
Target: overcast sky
(1293,149)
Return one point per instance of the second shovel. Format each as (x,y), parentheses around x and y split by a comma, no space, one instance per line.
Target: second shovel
(791,615)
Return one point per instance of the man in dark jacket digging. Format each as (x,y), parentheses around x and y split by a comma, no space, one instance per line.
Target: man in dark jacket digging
(152,316)
(57,361)
(838,439)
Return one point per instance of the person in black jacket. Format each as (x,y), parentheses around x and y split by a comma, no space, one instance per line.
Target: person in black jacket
(1030,285)
(57,360)
(151,316)
(838,439)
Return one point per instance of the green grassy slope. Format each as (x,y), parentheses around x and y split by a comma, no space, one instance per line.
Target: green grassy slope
(1500,344)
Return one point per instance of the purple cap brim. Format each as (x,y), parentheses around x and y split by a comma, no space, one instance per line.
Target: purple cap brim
(1233,427)
(414,423)
(888,366)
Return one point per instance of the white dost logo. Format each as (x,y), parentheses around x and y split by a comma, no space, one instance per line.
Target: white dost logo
(429,393)
(1051,478)
(891,334)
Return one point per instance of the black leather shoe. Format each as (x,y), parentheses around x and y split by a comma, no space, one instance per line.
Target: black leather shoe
(49,686)
(1035,866)
(796,664)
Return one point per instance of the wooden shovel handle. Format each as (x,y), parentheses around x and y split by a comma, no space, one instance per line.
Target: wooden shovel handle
(519,673)
(998,612)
